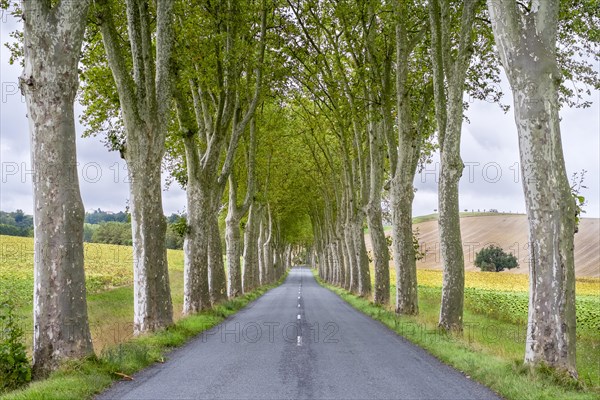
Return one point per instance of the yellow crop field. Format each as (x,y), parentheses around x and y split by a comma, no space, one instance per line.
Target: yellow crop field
(499,281)
(495,281)
(106,266)
(504,296)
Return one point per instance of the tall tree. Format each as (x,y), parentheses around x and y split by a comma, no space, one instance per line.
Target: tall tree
(526,38)
(216,99)
(413,127)
(53,35)
(234,216)
(142,78)
(451,51)
(378,46)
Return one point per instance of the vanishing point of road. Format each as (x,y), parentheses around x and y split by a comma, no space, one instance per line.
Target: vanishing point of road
(299,341)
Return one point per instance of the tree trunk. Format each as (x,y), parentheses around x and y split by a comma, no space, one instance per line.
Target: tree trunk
(234,252)
(250,274)
(216,267)
(450,60)
(259,248)
(340,255)
(145,97)
(351,258)
(551,213)
(451,311)
(152,297)
(403,158)
(362,259)
(381,256)
(380,253)
(527,47)
(267,246)
(196,293)
(347,262)
(407,301)
(49,82)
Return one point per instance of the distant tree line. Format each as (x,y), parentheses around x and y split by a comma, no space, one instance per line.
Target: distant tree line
(16,223)
(100,227)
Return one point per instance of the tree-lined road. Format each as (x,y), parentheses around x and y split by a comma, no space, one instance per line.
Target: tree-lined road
(299,341)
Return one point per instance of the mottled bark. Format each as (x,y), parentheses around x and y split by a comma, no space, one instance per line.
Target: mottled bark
(234,215)
(52,46)
(347,263)
(336,263)
(339,245)
(403,155)
(377,89)
(233,242)
(144,95)
(404,254)
(233,245)
(288,257)
(349,241)
(362,259)
(219,118)
(196,294)
(151,291)
(449,80)
(259,247)
(250,275)
(451,311)
(216,267)
(267,246)
(527,48)
(381,257)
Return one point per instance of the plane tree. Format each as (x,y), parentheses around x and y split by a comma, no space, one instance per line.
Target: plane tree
(219,80)
(544,46)
(51,48)
(127,93)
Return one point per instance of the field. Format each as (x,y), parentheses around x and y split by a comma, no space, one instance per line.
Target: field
(109,278)
(496,303)
(491,299)
(509,231)
(496,315)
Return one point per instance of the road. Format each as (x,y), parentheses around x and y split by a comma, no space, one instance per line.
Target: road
(299,341)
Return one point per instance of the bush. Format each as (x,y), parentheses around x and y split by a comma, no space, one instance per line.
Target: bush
(15,369)
(493,258)
(113,233)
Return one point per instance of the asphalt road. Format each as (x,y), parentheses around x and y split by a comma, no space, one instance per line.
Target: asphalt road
(300,341)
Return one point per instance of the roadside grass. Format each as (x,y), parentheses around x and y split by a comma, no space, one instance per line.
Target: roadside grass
(489,351)
(86,378)
(109,283)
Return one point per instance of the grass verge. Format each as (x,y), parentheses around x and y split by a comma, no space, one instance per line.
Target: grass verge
(470,353)
(85,378)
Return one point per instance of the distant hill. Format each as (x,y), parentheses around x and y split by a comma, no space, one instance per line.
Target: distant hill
(509,231)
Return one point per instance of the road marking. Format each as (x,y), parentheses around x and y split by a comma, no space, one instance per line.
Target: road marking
(299,340)
(298,316)
(298,297)
(298,305)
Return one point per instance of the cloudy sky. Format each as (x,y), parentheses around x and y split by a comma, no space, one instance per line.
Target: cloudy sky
(489,150)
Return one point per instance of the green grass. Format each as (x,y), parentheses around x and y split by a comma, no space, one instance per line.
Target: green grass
(86,378)
(490,351)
